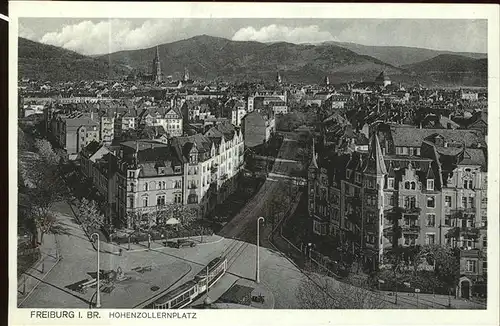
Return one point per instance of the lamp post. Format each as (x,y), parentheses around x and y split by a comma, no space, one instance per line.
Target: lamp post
(98,301)
(257,260)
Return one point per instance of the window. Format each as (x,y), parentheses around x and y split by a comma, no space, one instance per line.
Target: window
(431,220)
(161,170)
(431,202)
(471,202)
(470,266)
(160,200)
(470,184)
(464,202)
(390,183)
(132,187)
(358,177)
(145,202)
(407,185)
(178,198)
(485,242)
(485,267)
(410,202)
(131,174)
(177,184)
(447,220)
(131,202)
(413,186)
(410,220)
(447,201)
(430,184)
(145,187)
(177,169)
(430,238)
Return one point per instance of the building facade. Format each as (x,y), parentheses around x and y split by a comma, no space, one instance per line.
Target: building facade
(391,198)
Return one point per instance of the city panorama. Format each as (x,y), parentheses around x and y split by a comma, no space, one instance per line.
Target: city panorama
(252,163)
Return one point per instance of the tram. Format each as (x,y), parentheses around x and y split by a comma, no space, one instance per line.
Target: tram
(189,291)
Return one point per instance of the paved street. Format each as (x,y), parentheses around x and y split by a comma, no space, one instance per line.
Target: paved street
(243,225)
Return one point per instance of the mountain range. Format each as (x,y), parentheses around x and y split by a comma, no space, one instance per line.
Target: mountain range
(210,57)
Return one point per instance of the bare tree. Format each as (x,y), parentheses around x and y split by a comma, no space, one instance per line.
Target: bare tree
(317,291)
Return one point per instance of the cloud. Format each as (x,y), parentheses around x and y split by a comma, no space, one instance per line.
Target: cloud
(89,37)
(27,32)
(275,33)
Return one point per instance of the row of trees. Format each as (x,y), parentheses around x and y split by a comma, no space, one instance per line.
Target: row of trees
(39,180)
(317,291)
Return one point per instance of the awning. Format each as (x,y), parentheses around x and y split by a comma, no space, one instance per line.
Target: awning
(172,221)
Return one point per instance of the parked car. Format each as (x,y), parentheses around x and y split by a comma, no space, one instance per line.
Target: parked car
(181,243)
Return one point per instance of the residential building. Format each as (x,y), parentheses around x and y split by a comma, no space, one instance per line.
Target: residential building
(258,127)
(74,132)
(374,202)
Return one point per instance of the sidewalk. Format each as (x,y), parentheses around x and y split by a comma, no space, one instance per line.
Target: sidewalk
(49,258)
(431,301)
(158,245)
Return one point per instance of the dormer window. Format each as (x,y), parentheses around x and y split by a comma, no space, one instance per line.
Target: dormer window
(177,169)
(161,170)
(390,183)
(131,174)
(430,184)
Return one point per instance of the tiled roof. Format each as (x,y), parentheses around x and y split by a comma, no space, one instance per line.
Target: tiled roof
(412,137)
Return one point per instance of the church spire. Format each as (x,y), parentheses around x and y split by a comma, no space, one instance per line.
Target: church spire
(157,75)
(314,163)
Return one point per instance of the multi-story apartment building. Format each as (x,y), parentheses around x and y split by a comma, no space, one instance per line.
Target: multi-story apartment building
(107,126)
(212,163)
(168,118)
(74,131)
(127,119)
(392,198)
(199,171)
(258,127)
(149,176)
(237,113)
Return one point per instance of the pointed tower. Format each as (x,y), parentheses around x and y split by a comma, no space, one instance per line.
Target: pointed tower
(375,173)
(157,75)
(312,178)
(278,77)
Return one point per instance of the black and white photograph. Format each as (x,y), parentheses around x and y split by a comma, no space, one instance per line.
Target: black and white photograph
(193,163)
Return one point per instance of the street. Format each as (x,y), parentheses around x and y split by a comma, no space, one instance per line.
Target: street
(243,225)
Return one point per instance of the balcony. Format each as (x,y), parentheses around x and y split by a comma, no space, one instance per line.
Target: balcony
(411,210)
(415,229)
(466,232)
(459,212)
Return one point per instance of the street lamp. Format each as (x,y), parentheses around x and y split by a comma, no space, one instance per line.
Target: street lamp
(98,302)
(257,261)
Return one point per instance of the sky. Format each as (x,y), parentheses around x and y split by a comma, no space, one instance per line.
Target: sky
(100,36)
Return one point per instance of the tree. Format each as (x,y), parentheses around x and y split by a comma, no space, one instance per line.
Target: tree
(90,214)
(318,291)
(446,263)
(46,153)
(45,188)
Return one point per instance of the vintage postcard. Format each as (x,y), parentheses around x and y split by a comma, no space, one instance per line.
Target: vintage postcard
(309,163)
